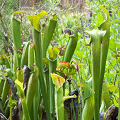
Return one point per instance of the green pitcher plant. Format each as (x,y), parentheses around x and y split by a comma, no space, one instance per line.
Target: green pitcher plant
(35,22)
(52,68)
(46,90)
(58,81)
(99,47)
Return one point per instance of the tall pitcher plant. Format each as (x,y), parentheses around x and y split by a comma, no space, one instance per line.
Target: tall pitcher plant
(99,46)
(16,26)
(36,31)
(41,44)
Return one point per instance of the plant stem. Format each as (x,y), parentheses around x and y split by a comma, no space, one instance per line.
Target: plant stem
(96,47)
(38,59)
(60,104)
(16,33)
(52,68)
(48,36)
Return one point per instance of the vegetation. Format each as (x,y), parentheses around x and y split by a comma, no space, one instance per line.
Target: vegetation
(60,63)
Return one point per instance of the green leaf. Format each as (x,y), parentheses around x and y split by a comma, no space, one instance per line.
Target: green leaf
(20,89)
(112,88)
(84,85)
(1,106)
(105,11)
(35,19)
(12,102)
(48,35)
(24,59)
(20,84)
(115,99)
(57,80)
(16,12)
(20,75)
(96,40)
(69,97)
(4,74)
(71,47)
(104,50)
(112,45)
(88,110)
(99,19)
(46,61)
(16,32)
(86,90)
(106,95)
(63,65)
(119,13)
(55,17)
(53,53)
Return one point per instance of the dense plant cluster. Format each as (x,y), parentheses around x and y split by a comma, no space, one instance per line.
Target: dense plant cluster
(60,64)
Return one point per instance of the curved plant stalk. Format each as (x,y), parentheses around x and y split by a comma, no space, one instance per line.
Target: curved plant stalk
(31,55)
(19,81)
(58,81)
(71,48)
(104,47)
(52,68)
(24,59)
(96,39)
(35,20)
(16,33)
(48,35)
(32,85)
